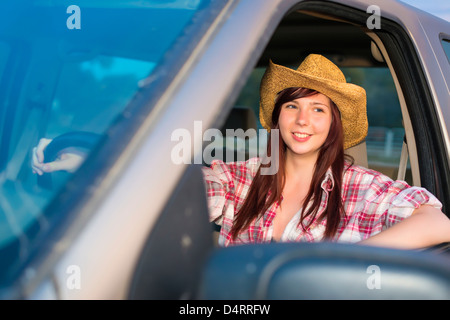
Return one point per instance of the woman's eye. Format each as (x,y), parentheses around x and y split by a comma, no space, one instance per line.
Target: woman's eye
(290,106)
(318,110)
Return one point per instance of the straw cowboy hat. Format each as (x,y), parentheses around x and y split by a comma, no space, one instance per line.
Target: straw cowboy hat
(318,73)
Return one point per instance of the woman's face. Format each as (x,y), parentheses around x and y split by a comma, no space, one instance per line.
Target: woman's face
(304,124)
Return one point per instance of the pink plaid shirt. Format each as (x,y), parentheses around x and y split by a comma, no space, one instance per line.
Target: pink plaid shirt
(372,203)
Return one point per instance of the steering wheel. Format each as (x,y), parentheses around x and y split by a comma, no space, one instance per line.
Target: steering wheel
(77,139)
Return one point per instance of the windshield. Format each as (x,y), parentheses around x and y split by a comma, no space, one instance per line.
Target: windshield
(74,68)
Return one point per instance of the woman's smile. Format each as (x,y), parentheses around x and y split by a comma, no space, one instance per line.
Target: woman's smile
(301,137)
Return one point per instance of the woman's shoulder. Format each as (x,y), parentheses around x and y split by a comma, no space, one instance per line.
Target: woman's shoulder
(357,169)
(234,170)
(359,173)
(250,164)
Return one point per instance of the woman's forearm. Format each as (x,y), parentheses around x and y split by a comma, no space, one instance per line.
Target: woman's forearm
(427,226)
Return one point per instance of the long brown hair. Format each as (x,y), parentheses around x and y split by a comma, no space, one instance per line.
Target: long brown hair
(266,189)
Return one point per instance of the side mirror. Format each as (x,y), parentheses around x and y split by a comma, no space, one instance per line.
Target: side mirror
(296,271)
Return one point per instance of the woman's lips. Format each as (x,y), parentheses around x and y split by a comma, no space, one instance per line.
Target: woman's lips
(301,137)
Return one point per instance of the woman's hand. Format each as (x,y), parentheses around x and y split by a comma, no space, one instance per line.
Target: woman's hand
(68,161)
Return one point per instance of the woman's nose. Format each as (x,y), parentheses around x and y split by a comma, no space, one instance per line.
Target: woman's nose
(302,117)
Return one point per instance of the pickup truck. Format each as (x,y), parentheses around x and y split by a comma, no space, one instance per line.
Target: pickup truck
(122,81)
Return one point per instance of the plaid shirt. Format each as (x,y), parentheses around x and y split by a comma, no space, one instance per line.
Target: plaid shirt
(372,203)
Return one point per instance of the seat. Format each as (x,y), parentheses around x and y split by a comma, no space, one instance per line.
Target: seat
(359,154)
(240,117)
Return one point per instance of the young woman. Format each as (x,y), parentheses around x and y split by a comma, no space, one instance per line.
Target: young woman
(316,194)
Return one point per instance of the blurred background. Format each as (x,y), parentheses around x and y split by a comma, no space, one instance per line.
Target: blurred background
(440,8)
